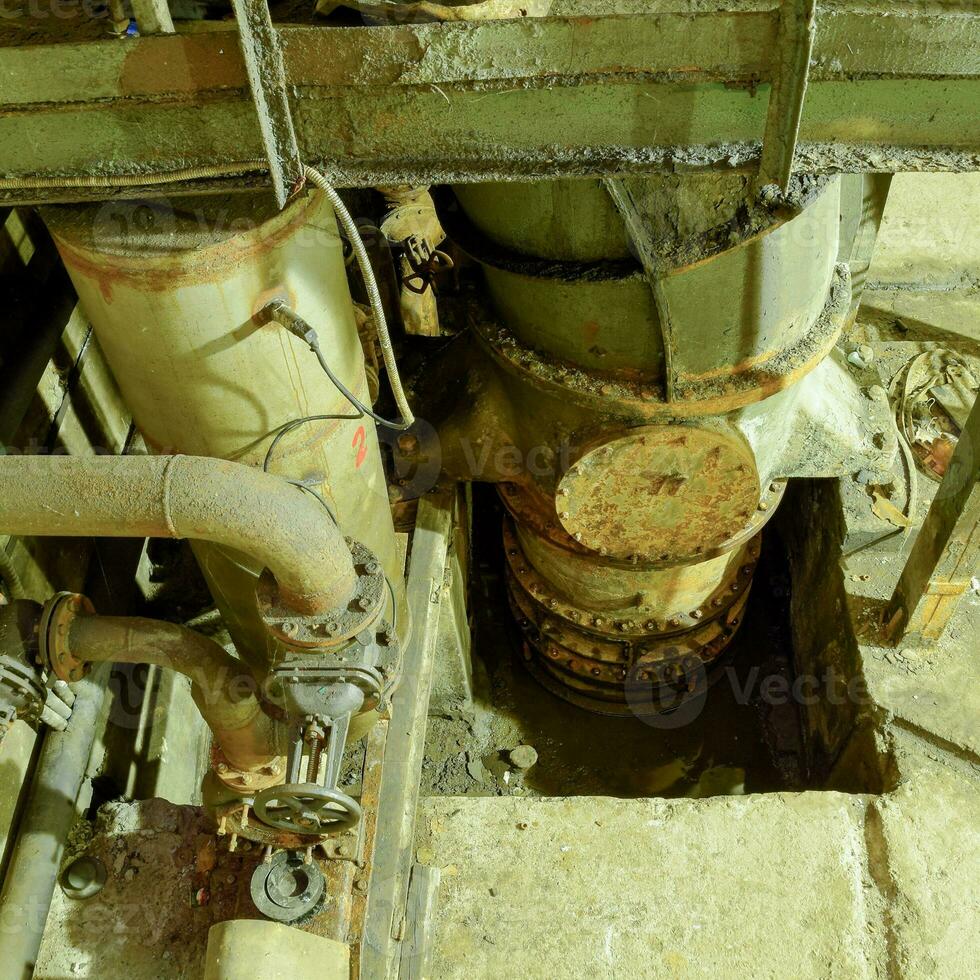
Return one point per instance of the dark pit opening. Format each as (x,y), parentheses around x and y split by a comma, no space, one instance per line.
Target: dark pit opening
(747,735)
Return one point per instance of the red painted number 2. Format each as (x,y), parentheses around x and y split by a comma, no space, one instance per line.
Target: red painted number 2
(359,442)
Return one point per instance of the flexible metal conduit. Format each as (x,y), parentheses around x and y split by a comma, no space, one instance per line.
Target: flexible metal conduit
(222,686)
(195,497)
(49,813)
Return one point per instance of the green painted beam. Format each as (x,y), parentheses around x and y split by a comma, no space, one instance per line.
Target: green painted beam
(892,86)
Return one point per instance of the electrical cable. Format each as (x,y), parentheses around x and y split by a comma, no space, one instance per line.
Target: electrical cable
(295,424)
(112,181)
(374,294)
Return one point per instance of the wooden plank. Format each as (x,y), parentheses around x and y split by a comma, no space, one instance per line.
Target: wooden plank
(416,948)
(402,769)
(946,553)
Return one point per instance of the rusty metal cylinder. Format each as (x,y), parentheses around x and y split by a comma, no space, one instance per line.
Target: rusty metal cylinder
(628,321)
(174,291)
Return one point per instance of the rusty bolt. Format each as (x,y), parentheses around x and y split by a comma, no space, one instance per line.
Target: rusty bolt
(361,884)
(697,614)
(408,443)
(290,629)
(553,653)
(596,672)
(597,620)
(563,514)
(763,505)
(563,491)
(674,621)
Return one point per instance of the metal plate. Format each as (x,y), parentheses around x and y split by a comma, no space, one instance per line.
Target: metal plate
(659,492)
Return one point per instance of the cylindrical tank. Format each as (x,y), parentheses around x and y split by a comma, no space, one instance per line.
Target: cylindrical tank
(174,291)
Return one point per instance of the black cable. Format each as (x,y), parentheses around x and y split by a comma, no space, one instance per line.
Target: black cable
(297,326)
(277,310)
(319,496)
(295,424)
(350,396)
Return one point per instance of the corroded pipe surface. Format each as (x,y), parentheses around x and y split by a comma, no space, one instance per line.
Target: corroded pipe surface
(204,499)
(223,689)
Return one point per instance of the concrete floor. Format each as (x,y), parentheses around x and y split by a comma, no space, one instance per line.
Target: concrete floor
(806,885)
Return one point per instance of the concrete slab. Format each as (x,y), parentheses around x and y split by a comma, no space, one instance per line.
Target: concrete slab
(930,839)
(934,689)
(762,886)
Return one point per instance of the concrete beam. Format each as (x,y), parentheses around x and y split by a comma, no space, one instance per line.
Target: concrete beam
(891,87)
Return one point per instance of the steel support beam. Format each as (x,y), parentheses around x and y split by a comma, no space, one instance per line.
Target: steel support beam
(891,87)
(261,53)
(797,30)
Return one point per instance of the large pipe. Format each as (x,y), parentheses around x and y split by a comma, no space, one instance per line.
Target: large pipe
(204,499)
(175,292)
(48,816)
(223,689)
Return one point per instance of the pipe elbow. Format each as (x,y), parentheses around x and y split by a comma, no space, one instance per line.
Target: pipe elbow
(227,503)
(264,516)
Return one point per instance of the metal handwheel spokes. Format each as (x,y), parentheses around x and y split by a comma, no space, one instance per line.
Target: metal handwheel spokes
(306,808)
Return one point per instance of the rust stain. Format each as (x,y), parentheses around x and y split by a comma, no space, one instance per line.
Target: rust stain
(182,65)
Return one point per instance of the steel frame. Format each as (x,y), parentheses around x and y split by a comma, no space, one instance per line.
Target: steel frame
(889,87)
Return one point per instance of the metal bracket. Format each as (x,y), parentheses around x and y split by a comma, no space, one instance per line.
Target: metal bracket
(797,30)
(266,72)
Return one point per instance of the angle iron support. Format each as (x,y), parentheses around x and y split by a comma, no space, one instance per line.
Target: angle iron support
(259,42)
(797,30)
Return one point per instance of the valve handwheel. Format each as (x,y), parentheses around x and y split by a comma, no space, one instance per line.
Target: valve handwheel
(306,808)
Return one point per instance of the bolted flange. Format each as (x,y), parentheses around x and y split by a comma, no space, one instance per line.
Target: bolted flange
(336,626)
(599,659)
(60,612)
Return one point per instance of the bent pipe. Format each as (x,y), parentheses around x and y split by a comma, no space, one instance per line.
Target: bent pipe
(197,497)
(223,689)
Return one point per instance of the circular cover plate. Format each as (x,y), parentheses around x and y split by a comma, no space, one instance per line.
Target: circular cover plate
(660,492)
